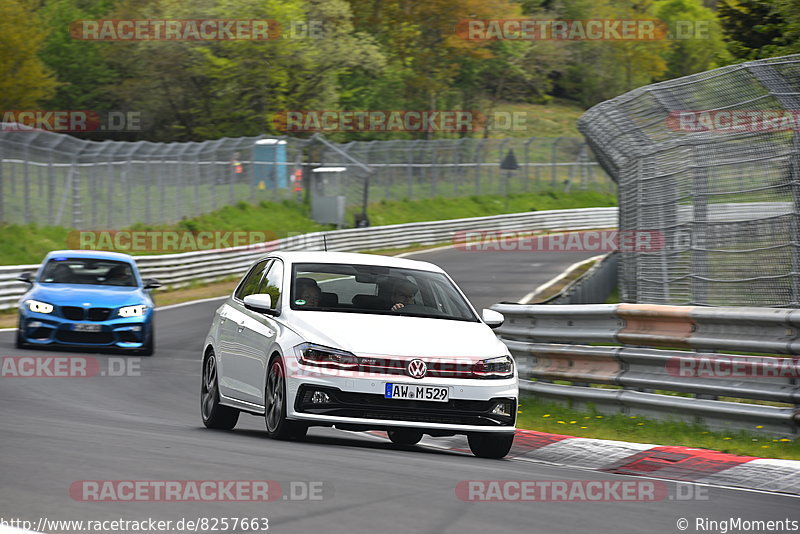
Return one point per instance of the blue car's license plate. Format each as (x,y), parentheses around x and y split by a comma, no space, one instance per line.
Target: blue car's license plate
(82,327)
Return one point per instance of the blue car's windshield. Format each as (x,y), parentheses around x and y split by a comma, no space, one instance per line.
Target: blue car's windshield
(88,271)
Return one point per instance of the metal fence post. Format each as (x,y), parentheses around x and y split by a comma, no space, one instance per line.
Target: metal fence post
(2,182)
(26,187)
(553,161)
(51,191)
(527,159)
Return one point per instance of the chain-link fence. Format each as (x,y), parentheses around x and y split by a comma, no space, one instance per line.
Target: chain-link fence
(711,163)
(51,178)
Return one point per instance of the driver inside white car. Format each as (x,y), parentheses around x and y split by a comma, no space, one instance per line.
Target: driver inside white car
(403,294)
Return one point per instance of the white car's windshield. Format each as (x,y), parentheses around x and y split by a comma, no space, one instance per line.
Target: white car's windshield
(377,289)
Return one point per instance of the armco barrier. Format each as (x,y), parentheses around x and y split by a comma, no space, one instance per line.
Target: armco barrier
(206,266)
(640,358)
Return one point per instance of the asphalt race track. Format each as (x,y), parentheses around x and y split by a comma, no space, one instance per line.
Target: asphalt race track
(55,431)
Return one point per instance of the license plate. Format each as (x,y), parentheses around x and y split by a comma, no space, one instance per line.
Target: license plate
(415,392)
(81,327)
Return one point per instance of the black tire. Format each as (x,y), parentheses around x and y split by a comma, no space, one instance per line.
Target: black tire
(278,426)
(490,445)
(214,414)
(150,347)
(18,341)
(405,436)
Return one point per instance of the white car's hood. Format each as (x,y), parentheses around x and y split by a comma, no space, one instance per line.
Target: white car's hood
(398,336)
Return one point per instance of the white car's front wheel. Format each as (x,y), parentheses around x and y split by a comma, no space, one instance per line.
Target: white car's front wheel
(278,427)
(405,436)
(490,445)
(214,414)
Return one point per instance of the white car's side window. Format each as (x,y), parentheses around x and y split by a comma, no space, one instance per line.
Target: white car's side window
(272,284)
(252,281)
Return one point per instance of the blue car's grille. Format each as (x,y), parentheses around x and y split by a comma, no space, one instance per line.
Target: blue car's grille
(98,314)
(75,313)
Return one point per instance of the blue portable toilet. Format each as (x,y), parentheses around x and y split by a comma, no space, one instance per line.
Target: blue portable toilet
(270,169)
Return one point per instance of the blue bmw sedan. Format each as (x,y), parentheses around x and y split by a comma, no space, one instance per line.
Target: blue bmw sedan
(85,298)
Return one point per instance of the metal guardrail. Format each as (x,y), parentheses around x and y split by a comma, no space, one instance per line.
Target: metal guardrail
(552,343)
(207,266)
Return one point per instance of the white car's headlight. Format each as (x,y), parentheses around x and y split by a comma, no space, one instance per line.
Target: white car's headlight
(502,367)
(39,307)
(133,311)
(310,354)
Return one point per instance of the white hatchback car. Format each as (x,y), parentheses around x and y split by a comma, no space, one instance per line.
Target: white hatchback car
(359,342)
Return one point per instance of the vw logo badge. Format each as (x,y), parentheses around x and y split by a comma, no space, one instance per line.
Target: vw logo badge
(417,369)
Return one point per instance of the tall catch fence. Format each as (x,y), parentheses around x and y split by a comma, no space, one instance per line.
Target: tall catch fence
(52,178)
(712,162)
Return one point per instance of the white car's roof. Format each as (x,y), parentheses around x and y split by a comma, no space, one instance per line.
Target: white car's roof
(352,258)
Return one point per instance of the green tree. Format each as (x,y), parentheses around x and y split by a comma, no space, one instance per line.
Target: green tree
(83,71)
(25,81)
(599,70)
(207,89)
(430,66)
(704,49)
(753,29)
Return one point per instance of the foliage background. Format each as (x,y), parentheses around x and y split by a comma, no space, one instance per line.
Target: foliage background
(373,55)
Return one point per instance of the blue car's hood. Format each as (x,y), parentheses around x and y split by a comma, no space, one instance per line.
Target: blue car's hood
(79,295)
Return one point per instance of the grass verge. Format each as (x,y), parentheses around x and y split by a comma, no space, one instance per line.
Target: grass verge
(535,414)
(28,244)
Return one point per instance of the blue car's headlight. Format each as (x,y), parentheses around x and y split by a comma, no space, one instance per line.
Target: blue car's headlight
(39,307)
(133,311)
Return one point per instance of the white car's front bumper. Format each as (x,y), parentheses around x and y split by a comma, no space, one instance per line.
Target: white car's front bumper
(359,401)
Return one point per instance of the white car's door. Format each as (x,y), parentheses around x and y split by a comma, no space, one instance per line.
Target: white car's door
(257,333)
(233,352)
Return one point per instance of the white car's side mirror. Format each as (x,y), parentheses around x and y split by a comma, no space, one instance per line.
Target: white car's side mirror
(260,303)
(492,318)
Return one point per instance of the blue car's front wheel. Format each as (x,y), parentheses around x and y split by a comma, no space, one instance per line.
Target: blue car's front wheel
(19,340)
(150,346)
